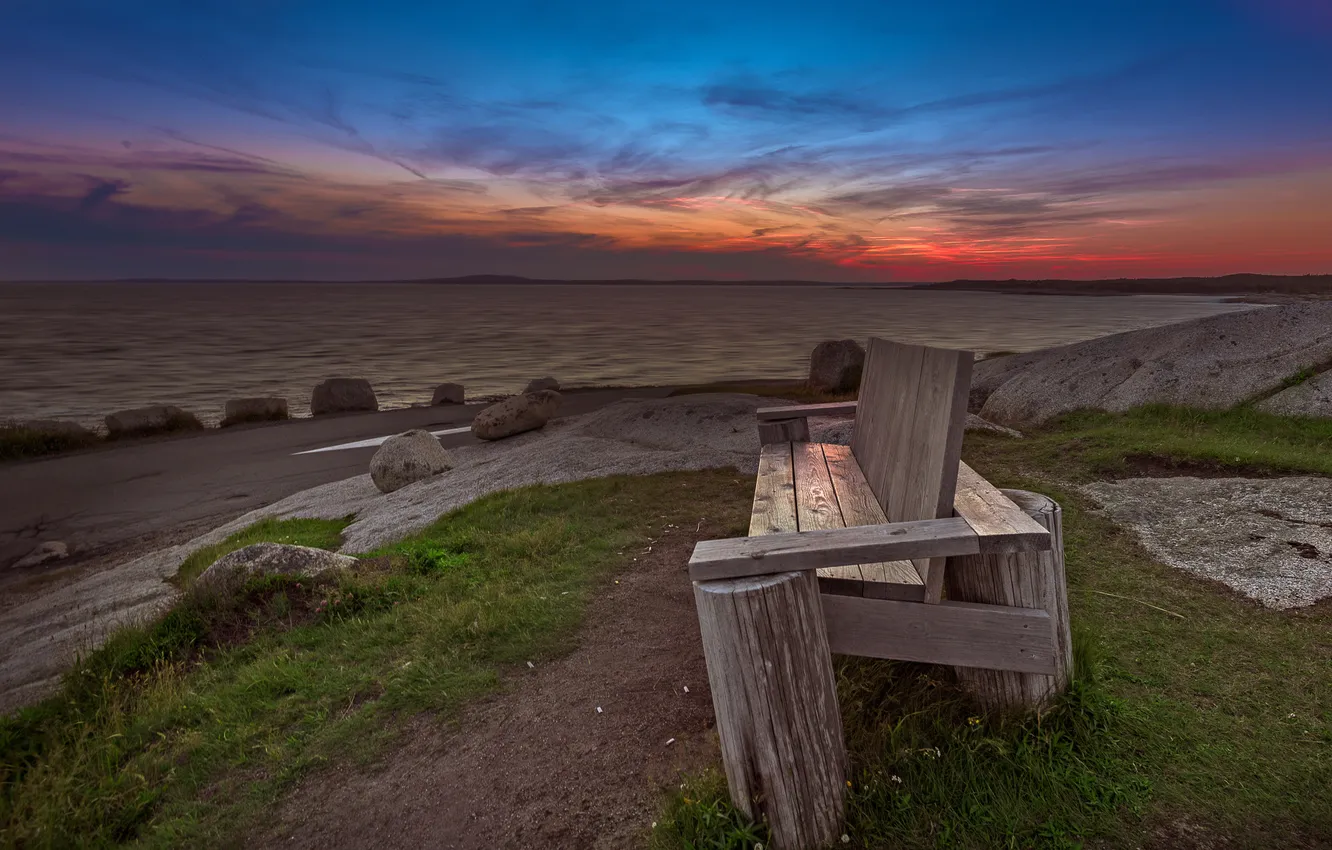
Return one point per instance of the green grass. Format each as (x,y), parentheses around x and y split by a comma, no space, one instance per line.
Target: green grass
(316,533)
(19,443)
(186,732)
(1089,445)
(1216,725)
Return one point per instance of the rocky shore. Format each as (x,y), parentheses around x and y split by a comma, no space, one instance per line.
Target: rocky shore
(1275,359)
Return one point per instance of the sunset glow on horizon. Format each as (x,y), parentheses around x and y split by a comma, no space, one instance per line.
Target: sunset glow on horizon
(864,142)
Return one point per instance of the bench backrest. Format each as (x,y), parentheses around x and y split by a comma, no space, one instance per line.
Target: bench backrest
(908,428)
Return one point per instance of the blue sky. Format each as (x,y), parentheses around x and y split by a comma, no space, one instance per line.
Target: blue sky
(839,141)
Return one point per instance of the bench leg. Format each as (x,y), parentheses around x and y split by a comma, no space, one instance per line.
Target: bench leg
(1023,580)
(776,703)
(784,431)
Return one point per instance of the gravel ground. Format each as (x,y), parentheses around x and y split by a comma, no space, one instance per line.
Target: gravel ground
(1269,539)
(632,437)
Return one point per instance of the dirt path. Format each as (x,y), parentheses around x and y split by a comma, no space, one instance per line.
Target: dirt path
(538,766)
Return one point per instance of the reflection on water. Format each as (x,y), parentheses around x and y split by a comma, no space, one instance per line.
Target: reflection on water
(83,350)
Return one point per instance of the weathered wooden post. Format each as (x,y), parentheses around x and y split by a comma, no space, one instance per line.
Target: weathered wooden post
(775,699)
(1021,580)
(783,431)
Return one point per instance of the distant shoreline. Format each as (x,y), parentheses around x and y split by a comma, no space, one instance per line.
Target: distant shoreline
(1256,287)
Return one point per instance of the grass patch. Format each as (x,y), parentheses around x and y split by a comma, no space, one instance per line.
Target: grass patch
(1090,445)
(1208,731)
(799,391)
(316,533)
(171,737)
(18,442)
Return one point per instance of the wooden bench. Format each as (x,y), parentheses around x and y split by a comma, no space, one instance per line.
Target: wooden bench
(850,551)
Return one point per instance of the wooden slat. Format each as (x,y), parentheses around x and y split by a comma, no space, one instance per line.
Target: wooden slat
(995,517)
(908,434)
(774,492)
(859,507)
(811,550)
(832,408)
(960,634)
(817,510)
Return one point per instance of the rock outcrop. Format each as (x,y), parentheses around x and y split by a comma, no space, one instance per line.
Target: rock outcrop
(343,395)
(1311,397)
(517,414)
(1269,539)
(155,419)
(448,394)
(52,550)
(266,559)
(406,458)
(1216,362)
(267,409)
(546,383)
(835,366)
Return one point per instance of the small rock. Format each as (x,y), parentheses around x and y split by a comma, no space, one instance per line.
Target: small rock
(835,366)
(265,559)
(546,383)
(448,394)
(515,415)
(408,457)
(52,550)
(240,410)
(343,395)
(154,419)
(975,423)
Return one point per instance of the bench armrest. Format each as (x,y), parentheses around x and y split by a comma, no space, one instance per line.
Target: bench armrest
(836,547)
(802,411)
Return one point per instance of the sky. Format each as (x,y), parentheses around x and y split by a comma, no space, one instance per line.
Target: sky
(876,141)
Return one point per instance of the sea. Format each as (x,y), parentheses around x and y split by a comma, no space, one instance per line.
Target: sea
(81,350)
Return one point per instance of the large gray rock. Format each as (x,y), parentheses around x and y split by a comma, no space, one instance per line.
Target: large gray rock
(343,395)
(52,550)
(240,410)
(525,412)
(1308,398)
(266,559)
(407,457)
(154,419)
(448,394)
(1215,362)
(539,384)
(835,366)
(1269,539)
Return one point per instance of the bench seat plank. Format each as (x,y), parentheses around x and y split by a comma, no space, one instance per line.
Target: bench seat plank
(774,492)
(817,508)
(884,579)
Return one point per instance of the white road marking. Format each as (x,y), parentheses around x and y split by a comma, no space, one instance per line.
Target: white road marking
(377,441)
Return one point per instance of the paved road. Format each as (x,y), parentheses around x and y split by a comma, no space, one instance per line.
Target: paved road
(155,492)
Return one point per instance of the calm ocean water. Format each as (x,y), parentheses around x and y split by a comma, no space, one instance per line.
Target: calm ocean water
(80,351)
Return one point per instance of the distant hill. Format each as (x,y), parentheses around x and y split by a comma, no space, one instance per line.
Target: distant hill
(1233,284)
(1256,287)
